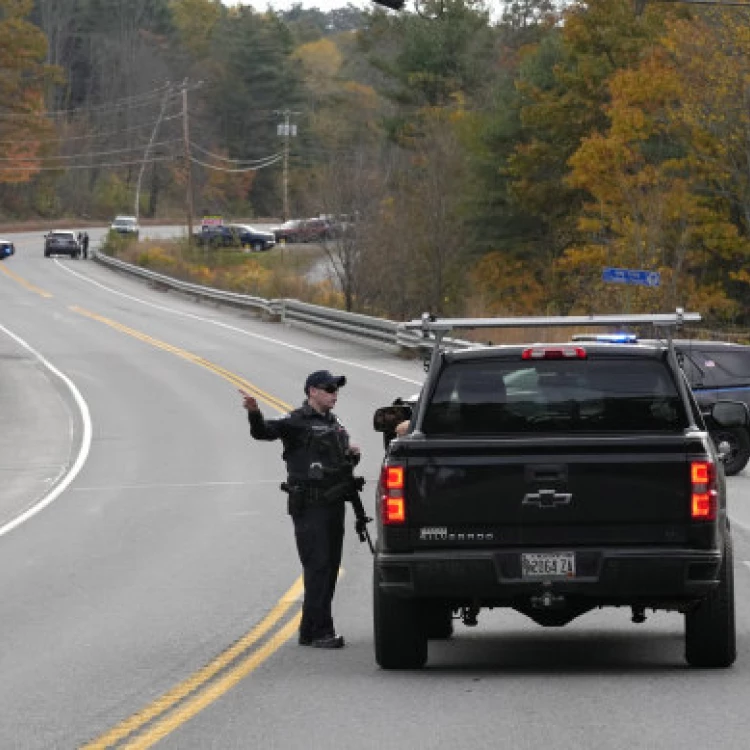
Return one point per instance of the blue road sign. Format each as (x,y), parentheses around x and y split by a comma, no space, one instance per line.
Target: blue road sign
(631,276)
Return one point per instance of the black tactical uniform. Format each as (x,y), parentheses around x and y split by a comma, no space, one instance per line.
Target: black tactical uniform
(318,459)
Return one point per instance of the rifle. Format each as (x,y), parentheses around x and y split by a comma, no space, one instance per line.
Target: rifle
(361,518)
(349,488)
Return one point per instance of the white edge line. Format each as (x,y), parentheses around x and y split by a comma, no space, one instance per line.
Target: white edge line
(242,331)
(51,496)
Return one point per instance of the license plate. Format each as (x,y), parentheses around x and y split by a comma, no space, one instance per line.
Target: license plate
(548,564)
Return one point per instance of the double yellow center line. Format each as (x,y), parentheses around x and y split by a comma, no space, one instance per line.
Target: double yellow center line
(229,376)
(186,699)
(177,706)
(25,284)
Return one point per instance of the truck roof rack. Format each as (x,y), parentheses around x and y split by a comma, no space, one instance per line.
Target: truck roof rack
(435,329)
(430,324)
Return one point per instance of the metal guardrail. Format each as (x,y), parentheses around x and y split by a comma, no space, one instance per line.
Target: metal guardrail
(360,327)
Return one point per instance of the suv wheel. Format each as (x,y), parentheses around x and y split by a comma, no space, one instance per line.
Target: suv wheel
(739,447)
(709,627)
(400,640)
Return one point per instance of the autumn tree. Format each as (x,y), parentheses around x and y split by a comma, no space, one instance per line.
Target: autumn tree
(563,84)
(653,175)
(23,80)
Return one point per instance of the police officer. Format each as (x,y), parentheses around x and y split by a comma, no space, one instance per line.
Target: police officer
(318,458)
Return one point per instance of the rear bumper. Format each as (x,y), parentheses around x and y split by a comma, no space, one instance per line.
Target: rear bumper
(603,576)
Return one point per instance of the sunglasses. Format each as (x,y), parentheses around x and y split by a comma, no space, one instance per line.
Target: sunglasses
(329,388)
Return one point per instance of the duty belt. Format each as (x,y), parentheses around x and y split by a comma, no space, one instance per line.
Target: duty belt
(315,494)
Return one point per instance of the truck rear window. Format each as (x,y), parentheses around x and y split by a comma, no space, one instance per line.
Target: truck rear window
(591,395)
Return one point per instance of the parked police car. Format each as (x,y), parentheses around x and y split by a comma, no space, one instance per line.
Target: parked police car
(7,248)
(716,370)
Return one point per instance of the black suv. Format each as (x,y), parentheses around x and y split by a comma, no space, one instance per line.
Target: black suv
(720,371)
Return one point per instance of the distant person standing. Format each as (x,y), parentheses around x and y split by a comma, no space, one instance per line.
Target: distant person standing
(85,244)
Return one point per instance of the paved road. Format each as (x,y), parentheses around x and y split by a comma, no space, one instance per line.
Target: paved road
(152,600)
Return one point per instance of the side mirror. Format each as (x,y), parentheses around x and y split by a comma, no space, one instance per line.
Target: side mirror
(386,418)
(730,414)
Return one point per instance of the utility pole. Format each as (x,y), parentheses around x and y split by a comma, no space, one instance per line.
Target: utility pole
(188,162)
(286,130)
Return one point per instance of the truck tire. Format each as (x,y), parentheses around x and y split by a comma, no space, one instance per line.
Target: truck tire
(400,640)
(437,620)
(739,445)
(710,639)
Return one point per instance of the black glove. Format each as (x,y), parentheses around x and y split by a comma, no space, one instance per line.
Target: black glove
(360,525)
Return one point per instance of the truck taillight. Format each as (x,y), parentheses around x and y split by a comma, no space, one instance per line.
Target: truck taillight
(554,352)
(704,491)
(392,503)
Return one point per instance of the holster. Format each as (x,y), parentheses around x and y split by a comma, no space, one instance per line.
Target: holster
(295,503)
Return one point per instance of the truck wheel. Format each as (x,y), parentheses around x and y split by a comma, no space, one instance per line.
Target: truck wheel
(400,641)
(437,620)
(739,447)
(709,626)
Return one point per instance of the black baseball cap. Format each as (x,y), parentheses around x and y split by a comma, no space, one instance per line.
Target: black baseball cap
(322,378)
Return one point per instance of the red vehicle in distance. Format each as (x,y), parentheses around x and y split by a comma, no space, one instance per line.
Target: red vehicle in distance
(303,230)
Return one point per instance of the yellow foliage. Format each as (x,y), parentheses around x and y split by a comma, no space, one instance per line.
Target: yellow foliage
(321,61)
(249,278)
(505,286)
(195,20)
(156,258)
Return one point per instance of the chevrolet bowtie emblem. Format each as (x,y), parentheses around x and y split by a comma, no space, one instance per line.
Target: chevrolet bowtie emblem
(547,498)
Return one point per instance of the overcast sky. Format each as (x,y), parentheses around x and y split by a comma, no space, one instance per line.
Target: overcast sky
(324,5)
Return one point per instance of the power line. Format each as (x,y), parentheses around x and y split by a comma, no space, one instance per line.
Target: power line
(64,167)
(243,169)
(90,136)
(88,154)
(137,100)
(227,159)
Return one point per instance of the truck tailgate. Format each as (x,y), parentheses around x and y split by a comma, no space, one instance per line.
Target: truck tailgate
(622,490)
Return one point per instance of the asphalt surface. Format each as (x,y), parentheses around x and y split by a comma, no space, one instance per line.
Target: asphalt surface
(149,581)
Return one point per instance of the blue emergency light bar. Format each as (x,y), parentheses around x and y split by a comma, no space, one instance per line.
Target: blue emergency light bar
(617,338)
(607,338)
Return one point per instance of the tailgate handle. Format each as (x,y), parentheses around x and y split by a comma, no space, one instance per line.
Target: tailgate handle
(547,473)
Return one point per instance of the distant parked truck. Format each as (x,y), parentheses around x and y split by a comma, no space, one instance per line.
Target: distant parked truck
(235,235)
(125,225)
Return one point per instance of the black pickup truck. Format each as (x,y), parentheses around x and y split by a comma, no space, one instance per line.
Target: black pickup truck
(553,479)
